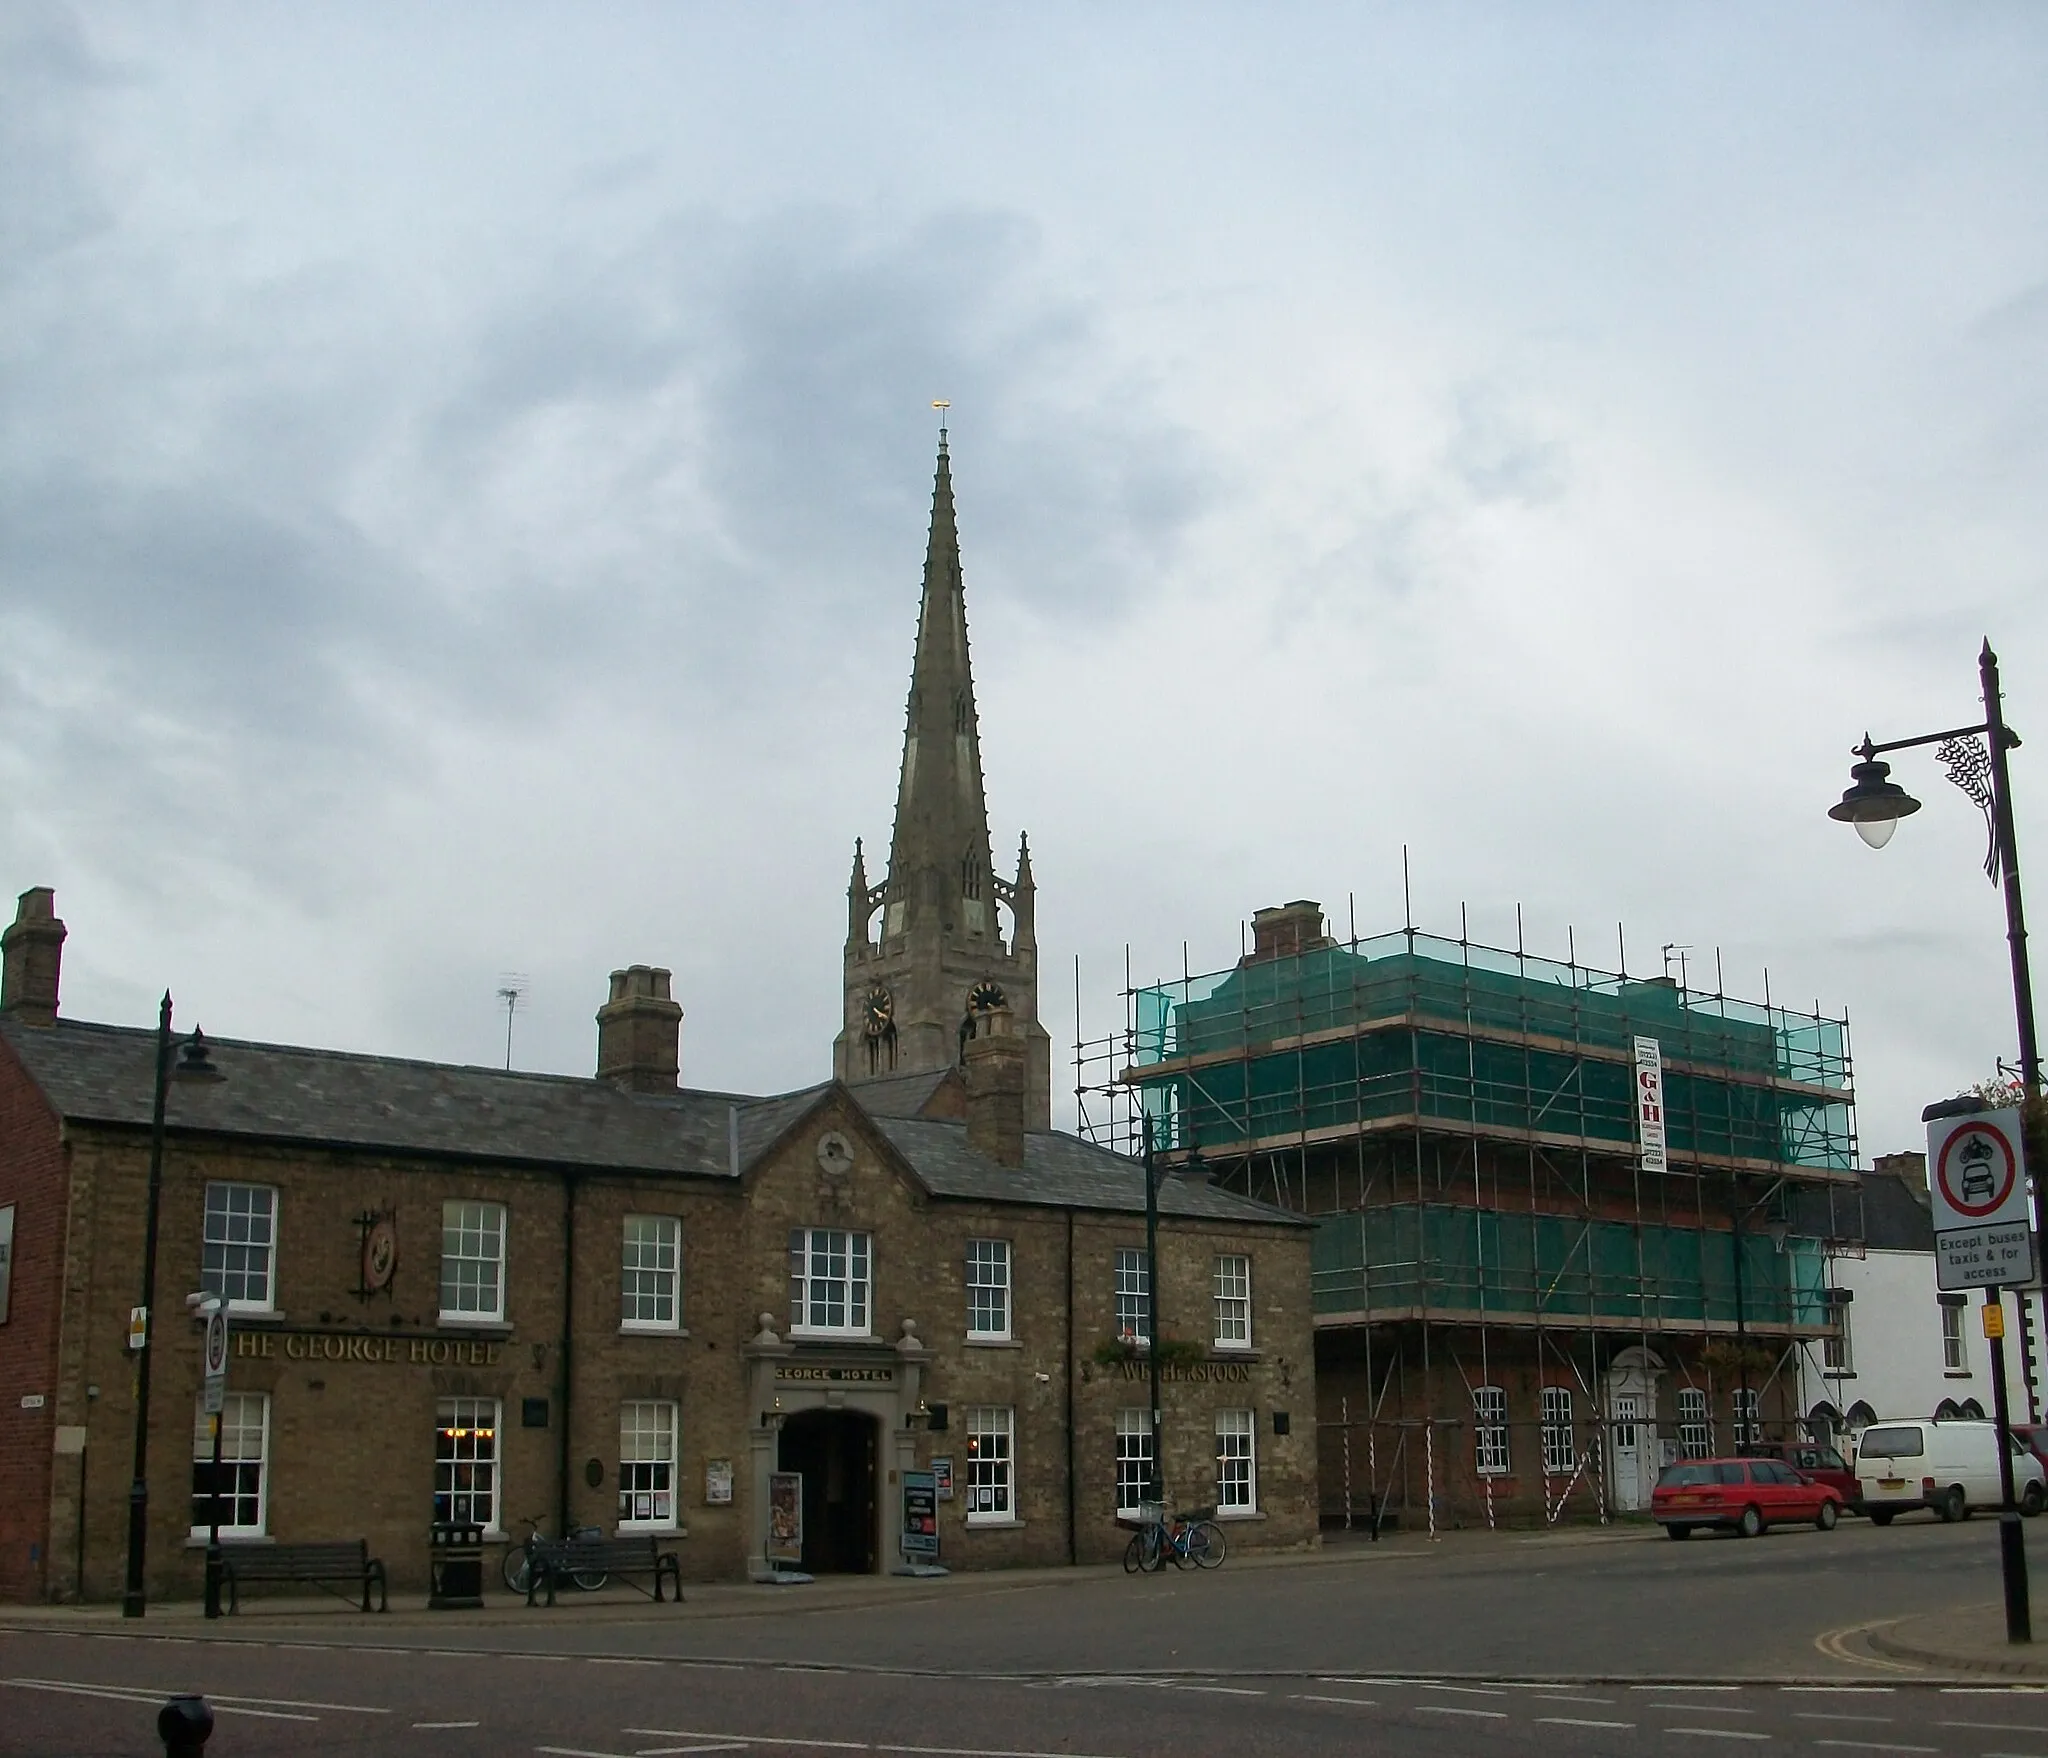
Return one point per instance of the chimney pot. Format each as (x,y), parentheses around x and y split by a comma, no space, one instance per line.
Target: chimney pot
(1287,930)
(31,958)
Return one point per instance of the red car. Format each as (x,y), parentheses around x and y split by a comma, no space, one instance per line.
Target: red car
(1744,1496)
(1822,1464)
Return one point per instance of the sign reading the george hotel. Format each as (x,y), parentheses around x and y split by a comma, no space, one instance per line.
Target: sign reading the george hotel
(872,1376)
(253,1345)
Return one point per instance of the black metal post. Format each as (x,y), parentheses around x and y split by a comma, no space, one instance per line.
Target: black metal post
(2001,739)
(1152,1308)
(1741,1324)
(132,1600)
(2012,1544)
(213,1556)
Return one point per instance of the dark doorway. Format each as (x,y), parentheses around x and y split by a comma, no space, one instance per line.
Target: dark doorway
(835,1451)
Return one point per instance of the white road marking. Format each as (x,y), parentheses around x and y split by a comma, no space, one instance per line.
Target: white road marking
(581,1752)
(1825,1715)
(1469,1690)
(1718,1733)
(1223,1690)
(119,1694)
(1356,1702)
(1454,1709)
(1563,1697)
(679,1733)
(683,1751)
(1837,1690)
(1685,1687)
(1576,1721)
(612,1660)
(1702,1708)
(293,1703)
(1874,1746)
(2003,1727)
(434,1724)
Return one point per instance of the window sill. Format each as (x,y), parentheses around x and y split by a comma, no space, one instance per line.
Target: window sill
(626,1529)
(256,1315)
(198,1541)
(974,1342)
(1957,1373)
(462,1321)
(629,1330)
(797,1336)
(976,1523)
(1233,1352)
(1233,1514)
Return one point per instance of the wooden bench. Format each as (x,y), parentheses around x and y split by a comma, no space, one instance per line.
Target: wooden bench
(554,1558)
(318,1565)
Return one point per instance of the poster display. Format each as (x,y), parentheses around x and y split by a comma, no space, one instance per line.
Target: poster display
(920,1517)
(786,1517)
(717,1481)
(942,1477)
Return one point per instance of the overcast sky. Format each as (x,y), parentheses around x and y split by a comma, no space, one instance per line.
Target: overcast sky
(464,474)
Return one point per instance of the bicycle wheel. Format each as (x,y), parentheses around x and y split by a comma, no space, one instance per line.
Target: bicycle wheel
(590,1580)
(1152,1557)
(1205,1544)
(1175,1547)
(1134,1553)
(516,1567)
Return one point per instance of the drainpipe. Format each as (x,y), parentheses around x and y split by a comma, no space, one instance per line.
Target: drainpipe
(562,1371)
(1073,1536)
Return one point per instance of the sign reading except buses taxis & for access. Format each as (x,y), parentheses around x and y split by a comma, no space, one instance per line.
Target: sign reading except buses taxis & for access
(1977,1183)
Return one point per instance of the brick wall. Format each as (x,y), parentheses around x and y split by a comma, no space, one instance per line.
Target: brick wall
(32,1180)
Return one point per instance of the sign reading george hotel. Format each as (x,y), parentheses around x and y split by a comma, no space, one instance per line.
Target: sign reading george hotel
(1650,1103)
(253,1345)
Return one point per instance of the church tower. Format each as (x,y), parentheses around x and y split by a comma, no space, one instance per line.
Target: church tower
(918,994)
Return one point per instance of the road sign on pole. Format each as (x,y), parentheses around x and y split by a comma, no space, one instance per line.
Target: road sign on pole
(216,1385)
(1977,1183)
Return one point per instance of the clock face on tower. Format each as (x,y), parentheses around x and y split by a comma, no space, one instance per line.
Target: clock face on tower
(985,995)
(877,1011)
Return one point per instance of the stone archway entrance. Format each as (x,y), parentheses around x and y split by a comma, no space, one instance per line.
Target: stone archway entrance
(1633,1455)
(835,1450)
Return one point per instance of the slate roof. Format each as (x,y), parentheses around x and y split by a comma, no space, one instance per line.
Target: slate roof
(1891,1215)
(899,1095)
(286,1093)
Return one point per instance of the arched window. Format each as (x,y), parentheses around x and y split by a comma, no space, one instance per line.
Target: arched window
(1972,1409)
(1861,1416)
(1947,1410)
(1490,1431)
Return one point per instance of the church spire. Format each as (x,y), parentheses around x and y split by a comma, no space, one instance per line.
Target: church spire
(939,867)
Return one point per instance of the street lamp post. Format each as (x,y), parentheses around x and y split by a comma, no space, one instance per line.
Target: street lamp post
(1874,804)
(132,1600)
(1157,1489)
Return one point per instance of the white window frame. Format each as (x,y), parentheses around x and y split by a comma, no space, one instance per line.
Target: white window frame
(234,1441)
(991,1465)
(1232,1282)
(1955,1341)
(1743,1403)
(1560,1433)
(1490,1431)
(812,1249)
(466,1419)
(641,1282)
(487,1224)
(1133,1460)
(988,1290)
(653,1448)
(1695,1423)
(1237,1464)
(217,1233)
(1133,1290)
(1837,1353)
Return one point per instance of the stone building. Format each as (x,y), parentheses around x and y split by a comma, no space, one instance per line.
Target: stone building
(540,1299)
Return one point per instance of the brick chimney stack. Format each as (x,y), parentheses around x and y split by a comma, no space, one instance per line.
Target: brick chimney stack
(639,1032)
(1284,932)
(31,953)
(995,1087)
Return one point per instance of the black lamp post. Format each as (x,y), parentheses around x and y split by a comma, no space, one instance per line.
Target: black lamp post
(1874,804)
(138,1486)
(1157,1488)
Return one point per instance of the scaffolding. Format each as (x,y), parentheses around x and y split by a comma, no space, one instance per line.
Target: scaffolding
(1462,1121)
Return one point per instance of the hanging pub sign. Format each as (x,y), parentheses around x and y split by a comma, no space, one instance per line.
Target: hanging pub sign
(1650,1103)
(785,1517)
(920,1517)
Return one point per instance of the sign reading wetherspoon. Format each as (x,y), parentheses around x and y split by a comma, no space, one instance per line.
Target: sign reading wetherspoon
(1650,1103)
(255,1345)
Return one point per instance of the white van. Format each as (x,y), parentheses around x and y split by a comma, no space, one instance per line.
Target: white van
(1950,1467)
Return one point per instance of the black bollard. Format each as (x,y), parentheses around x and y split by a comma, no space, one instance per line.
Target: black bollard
(184,1725)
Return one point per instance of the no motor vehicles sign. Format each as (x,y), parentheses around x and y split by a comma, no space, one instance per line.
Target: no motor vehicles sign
(1977,1180)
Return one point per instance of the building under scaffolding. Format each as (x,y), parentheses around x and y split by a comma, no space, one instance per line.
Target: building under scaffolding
(1519,1315)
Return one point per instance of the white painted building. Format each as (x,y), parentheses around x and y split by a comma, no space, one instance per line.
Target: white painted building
(1906,1349)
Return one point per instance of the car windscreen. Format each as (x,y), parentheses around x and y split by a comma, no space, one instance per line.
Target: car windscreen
(1892,1443)
(1684,1476)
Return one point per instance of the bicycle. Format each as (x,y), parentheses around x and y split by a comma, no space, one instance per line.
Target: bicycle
(1186,1538)
(517,1567)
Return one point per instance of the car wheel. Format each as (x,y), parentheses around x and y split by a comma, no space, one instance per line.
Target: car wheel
(1953,1506)
(1751,1524)
(1828,1515)
(2032,1500)
(1880,1516)
(1679,1531)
